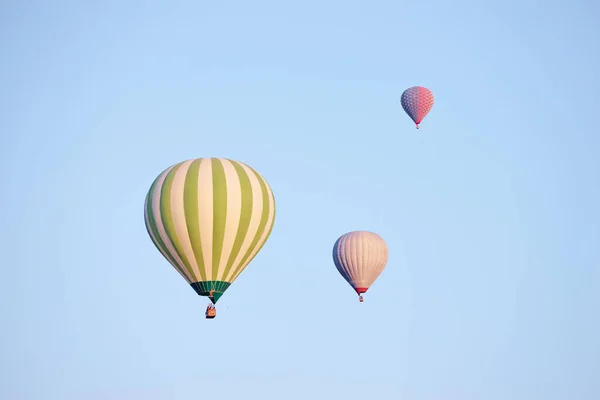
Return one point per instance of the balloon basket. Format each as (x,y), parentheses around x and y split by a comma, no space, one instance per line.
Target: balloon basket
(211,312)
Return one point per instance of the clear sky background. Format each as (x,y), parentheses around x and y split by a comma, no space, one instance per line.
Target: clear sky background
(490,210)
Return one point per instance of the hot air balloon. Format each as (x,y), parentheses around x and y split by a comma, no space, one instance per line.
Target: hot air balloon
(209,217)
(360,257)
(417,102)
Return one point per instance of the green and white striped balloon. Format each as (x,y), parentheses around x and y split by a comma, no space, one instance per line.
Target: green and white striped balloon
(209,217)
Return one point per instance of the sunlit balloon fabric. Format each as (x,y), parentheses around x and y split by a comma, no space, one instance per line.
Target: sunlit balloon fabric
(209,217)
(360,257)
(417,101)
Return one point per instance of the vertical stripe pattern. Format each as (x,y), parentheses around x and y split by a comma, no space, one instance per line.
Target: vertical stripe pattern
(360,257)
(209,217)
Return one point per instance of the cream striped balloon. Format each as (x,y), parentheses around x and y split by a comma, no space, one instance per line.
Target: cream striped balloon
(209,217)
(360,257)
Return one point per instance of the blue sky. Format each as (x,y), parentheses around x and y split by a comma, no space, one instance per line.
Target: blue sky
(490,210)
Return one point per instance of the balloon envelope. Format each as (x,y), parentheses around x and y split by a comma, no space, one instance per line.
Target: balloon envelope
(417,101)
(209,217)
(360,257)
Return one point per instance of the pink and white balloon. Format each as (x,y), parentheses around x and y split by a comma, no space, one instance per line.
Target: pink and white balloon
(360,257)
